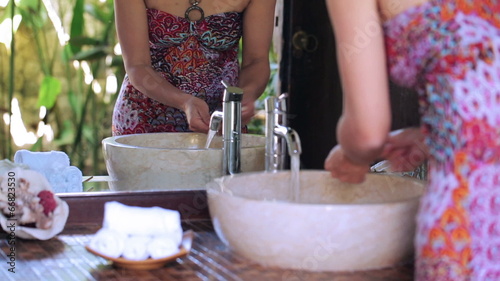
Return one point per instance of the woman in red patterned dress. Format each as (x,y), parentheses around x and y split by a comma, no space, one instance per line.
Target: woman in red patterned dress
(449,51)
(177,52)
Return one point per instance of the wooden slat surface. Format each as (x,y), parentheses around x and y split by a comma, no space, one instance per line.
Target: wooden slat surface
(64,257)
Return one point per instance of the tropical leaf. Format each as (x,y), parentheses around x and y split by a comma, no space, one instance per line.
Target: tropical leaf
(49,90)
(74,103)
(77,24)
(99,13)
(66,134)
(84,40)
(92,54)
(31,4)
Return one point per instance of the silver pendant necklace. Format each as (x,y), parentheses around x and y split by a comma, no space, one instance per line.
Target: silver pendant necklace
(196,9)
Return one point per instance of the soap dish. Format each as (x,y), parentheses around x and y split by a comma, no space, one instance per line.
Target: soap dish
(150,263)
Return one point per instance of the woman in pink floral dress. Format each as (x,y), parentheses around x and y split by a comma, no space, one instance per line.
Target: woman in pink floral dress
(449,51)
(177,52)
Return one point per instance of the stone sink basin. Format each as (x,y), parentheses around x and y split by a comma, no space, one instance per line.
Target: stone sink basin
(334,226)
(161,161)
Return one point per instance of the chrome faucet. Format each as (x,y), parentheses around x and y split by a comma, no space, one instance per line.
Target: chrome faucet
(276,132)
(231,128)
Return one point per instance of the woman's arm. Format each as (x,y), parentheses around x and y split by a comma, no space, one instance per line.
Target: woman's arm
(132,29)
(258,24)
(365,122)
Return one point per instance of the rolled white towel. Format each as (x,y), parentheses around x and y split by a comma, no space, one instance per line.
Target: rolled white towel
(41,161)
(174,235)
(68,179)
(162,246)
(55,166)
(108,242)
(142,221)
(73,179)
(56,179)
(136,247)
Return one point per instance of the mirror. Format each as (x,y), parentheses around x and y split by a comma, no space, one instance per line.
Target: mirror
(40,113)
(99,183)
(93,92)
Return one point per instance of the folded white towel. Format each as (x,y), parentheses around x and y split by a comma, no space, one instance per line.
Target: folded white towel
(40,161)
(55,166)
(175,235)
(142,221)
(136,247)
(108,242)
(68,179)
(162,246)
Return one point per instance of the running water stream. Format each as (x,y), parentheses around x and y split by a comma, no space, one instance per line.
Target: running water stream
(295,178)
(210,136)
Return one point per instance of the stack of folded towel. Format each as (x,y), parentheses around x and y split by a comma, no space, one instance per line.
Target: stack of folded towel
(55,166)
(138,233)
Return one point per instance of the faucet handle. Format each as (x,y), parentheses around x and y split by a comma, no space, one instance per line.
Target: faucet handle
(231,93)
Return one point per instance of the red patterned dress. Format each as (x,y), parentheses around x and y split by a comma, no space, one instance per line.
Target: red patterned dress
(450,52)
(194,57)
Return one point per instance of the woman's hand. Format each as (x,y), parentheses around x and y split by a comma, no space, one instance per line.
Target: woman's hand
(405,150)
(197,114)
(343,168)
(247,111)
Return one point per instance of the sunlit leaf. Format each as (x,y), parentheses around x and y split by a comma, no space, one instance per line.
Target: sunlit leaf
(49,90)
(6,12)
(32,4)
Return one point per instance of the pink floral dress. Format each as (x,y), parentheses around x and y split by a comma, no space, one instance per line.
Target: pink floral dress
(450,52)
(194,57)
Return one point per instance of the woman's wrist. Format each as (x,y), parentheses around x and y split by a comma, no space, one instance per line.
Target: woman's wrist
(356,161)
(180,100)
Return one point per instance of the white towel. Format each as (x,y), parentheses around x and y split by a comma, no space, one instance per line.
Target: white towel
(162,246)
(108,242)
(142,221)
(135,247)
(55,166)
(68,179)
(40,161)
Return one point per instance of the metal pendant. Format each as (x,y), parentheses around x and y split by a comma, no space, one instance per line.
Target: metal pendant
(195,7)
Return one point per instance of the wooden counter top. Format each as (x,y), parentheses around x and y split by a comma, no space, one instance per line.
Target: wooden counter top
(65,258)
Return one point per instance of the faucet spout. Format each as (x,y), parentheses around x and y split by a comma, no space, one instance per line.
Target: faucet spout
(216,121)
(291,138)
(277,133)
(231,128)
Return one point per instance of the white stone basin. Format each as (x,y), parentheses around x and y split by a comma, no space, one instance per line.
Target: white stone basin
(334,227)
(160,161)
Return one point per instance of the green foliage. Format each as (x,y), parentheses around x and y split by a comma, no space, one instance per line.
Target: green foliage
(49,90)
(77,25)
(79,116)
